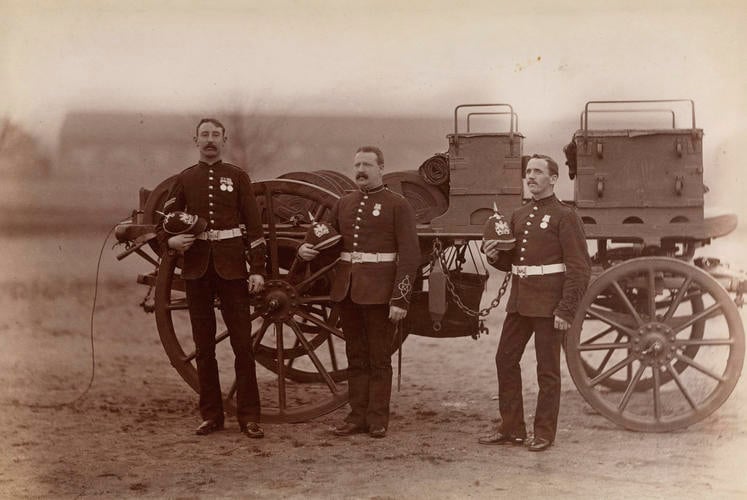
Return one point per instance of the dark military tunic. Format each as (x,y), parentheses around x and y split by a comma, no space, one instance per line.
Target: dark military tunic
(222,194)
(377,221)
(547,232)
(374,221)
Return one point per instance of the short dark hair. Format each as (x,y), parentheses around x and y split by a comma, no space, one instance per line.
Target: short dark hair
(374,150)
(214,121)
(551,165)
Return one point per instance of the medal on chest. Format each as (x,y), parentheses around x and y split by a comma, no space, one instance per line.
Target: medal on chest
(545,221)
(376,209)
(226,184)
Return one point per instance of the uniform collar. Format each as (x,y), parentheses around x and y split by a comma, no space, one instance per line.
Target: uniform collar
(542,202)
(206,164)
(377,189)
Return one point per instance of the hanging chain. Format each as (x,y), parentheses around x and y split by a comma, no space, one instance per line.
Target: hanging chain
(439,254)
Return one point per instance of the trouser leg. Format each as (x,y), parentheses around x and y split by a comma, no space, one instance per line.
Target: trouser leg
(547,344)
(380,333)
(202,316)
(356,348)
(234,297)
(514,337)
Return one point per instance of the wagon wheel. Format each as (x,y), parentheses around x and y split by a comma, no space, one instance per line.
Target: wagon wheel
(652,341)
(293,306)
(614,304)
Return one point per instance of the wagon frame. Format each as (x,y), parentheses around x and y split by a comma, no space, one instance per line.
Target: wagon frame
(657,344)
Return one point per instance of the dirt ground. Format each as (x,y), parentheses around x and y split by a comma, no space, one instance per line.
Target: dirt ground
(132,435)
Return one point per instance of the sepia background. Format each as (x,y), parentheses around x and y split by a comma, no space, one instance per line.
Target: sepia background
(99,98)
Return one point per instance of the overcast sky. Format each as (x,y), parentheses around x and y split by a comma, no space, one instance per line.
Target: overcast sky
(546,58)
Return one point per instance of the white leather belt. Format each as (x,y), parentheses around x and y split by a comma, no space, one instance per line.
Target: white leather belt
(523,271)
(360,257)
(219,234)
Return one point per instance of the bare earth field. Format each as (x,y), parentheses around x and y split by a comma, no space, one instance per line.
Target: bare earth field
(132,435)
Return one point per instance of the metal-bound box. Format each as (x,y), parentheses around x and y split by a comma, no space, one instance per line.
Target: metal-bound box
(646,176)
(484,168)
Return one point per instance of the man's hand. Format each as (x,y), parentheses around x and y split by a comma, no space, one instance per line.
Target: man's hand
(396,314)
(490,247)
(307,252)
(561,324)
(256,283)
(181,242)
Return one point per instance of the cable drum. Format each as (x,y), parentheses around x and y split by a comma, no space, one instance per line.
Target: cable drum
(435,170)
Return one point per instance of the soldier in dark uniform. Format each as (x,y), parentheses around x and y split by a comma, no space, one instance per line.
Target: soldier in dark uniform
(215,265)
(551,269)
(373,282)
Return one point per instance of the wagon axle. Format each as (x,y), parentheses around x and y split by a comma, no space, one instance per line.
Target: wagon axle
(277,300)
(654,344)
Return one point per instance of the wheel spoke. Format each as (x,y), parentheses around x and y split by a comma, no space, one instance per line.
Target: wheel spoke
(602,315)
(600,347)
(312,355)
(231,391)
(317,274)
(651,293)
(705,342)
(332,354)
(611,371)
(681,386)
(631,388)
(678,299)
(261,333)
(272,233)
(657,392)
(607,356)
(319,212)
(700,367)
(189,357)
(626,302)
(280,367)
(599,336)
(705,314)
(317,299)
(329,328)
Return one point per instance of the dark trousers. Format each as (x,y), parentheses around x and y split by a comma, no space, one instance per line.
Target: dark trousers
(517,330)
(234,299)
(368,344)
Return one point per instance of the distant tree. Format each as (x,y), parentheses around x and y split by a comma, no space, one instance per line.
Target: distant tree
(20,152)
(254,140)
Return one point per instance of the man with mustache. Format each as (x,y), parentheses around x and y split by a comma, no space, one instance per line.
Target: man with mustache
(551,268)
(373,283)
(215,265)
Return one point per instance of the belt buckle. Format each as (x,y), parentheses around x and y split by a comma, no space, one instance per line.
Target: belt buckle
(213,234)
(521,271)
(356,258)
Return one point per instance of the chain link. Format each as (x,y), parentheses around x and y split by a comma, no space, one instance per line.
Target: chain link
(438,254)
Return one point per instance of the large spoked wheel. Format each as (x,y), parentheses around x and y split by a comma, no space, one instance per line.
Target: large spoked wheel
(298,344)
(648,345)
(617,306)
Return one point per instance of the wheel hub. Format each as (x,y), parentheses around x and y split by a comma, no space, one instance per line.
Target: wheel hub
(654,344)
(278,300)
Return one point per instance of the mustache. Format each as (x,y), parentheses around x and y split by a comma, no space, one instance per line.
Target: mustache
(361,176)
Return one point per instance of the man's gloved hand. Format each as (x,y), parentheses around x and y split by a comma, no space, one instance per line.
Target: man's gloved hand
(181,242)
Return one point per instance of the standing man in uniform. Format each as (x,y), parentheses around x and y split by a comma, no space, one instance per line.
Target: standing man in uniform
(215,265)
(551,269)
(373,282)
